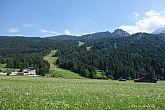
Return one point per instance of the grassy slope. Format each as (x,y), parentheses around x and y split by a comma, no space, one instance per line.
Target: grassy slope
(3,67)
(80,43)
(56,71)
(31,93)
(88,48)
(99,74)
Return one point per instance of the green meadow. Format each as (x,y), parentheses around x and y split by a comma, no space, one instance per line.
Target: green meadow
(3,67)
(59,72)
(88,48)
(81,43)
(40,93)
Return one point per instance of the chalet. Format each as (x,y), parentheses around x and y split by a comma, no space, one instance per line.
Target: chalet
(26,72)
(20,74)
(29,72)
(2,72)
(145,78)
(32,73)
(13,73)
(122,79)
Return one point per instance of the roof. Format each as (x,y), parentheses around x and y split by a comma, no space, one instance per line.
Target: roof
(143,76)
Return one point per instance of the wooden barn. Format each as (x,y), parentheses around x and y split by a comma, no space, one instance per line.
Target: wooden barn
(122,79)
(145,78)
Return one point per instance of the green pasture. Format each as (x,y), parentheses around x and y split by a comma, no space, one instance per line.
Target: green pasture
(88,48)
(59,72)
(3,67)
(81,43)
(39,93)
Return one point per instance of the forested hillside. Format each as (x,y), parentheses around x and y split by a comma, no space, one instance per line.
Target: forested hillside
(116,55)
(127,57)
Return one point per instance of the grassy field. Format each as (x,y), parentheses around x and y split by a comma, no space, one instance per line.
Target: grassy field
(38,93)
(3,67)
(80,43)
(59,72)
(88,48)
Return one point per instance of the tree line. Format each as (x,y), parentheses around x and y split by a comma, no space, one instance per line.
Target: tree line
(23,52)
(127,57)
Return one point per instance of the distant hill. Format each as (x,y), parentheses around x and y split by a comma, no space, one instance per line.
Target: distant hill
(98,35)
(63,37)
(116,54)
(125,56)
(159,31)
(120,32)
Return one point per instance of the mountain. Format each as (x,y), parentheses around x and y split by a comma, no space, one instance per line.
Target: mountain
(127,57)
(117,56)
(98,35)
(120,32)
(63,37)
(159,31)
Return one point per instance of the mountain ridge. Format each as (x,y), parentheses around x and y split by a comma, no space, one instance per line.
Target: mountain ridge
(120,32)
(126,56)
(159,31)
(97,35)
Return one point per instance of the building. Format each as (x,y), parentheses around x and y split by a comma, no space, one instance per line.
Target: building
(20,74)
(122,79)
(3,72)
(145,78)
(29,72)
(13,73)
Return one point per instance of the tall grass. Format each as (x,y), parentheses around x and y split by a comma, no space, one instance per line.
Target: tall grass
(37,93)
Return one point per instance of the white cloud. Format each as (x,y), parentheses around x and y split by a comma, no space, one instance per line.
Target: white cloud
(53,32)
(19,35)
(136,15)
(86,33)
(13,30)
(49,32)
(44,31)
(152,13)
(67,32)
(152,21)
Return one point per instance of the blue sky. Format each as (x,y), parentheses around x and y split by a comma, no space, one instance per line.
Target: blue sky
(77,17)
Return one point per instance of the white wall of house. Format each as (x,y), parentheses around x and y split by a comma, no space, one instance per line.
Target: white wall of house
(28,72)
(13,73)
(32,72)
(3,73)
